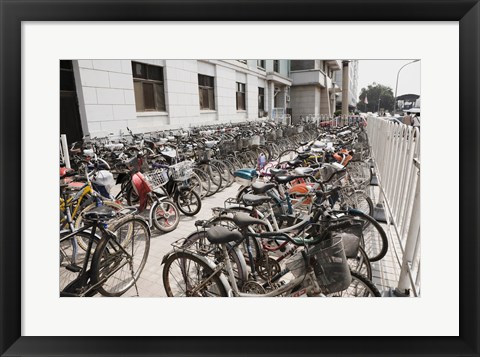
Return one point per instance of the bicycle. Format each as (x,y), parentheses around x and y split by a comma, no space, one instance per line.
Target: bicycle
(114,258)
(320,269)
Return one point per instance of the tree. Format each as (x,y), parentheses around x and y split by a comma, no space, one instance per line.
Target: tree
(374,92)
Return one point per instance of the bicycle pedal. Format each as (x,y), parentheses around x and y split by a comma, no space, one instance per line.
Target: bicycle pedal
(74,268)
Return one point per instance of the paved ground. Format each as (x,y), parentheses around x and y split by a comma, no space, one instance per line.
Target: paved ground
(385,272)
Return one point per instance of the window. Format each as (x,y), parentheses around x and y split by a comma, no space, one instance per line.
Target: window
(276,66)
(206,92)
(261,102)
(240,96)
(261,63)
(148,87)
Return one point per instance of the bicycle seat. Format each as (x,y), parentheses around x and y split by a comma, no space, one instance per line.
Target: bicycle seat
(294,163)
(303,156)
(255,200)
(220,234)
(275,172)
(260,187)
(100,214)
(284,178)
(243,220)
(302,171)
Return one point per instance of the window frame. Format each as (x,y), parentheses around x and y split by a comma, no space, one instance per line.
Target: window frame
(157,86)
(242,94)
(209,88)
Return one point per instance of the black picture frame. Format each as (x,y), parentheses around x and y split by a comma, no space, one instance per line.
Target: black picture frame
(467,12)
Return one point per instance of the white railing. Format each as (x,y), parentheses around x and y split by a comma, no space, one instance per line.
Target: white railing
(396,152)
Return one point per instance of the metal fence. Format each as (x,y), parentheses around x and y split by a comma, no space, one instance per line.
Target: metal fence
(395,149)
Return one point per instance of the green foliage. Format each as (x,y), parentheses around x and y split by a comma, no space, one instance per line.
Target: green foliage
(374,92)
(337,113)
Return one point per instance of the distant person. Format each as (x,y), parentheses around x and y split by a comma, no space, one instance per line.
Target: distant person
(407,119)
(416,121)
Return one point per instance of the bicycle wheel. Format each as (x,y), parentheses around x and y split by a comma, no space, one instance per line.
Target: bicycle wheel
(72,258)
(82,243)
(196,183)
(361,264)
(200,243)
(165,216)
(358,200)
(117,266)
(204,180)
(215,178)
(188,202)
(186,275)
(359,287)
(374,238)
(227,178)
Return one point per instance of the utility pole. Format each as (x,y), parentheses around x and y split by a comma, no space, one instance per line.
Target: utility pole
(345,87)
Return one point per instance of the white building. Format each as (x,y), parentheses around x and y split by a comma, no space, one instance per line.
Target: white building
(313,88)
(98,97)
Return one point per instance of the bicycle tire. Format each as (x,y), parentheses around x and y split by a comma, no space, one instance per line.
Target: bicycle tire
(178,268)
(71,260)
(205,181)
(215,178)
(374,238)
(359,200)
(360,286)
(165,216)
(186,199)
(361,264)
(109,261)
(227,177)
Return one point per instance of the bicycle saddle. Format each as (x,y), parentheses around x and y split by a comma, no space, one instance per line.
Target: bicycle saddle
(100,214)
(275,172)
(260,187)
(302,171)
(284,178)
(243,220)
(255,200)
(220,234)
(294,163)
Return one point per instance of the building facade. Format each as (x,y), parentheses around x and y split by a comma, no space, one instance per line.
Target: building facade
(313,89)
(149,95)
(352,85)
(102,97)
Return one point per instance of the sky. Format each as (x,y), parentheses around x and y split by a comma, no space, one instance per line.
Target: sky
(385,72)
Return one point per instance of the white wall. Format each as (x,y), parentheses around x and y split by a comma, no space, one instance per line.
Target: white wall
(107,99)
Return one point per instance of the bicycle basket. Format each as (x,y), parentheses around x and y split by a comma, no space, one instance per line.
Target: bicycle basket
(157,178)
(351,237)
(329,265)
(203,154)
(181,171)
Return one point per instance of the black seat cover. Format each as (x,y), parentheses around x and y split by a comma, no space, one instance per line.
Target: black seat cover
(254,200)
(275,172)
(285,179)
(243,220)
(220,234)
(101,213)
(303,143)
(303,155)
(260,187)
(295,162)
